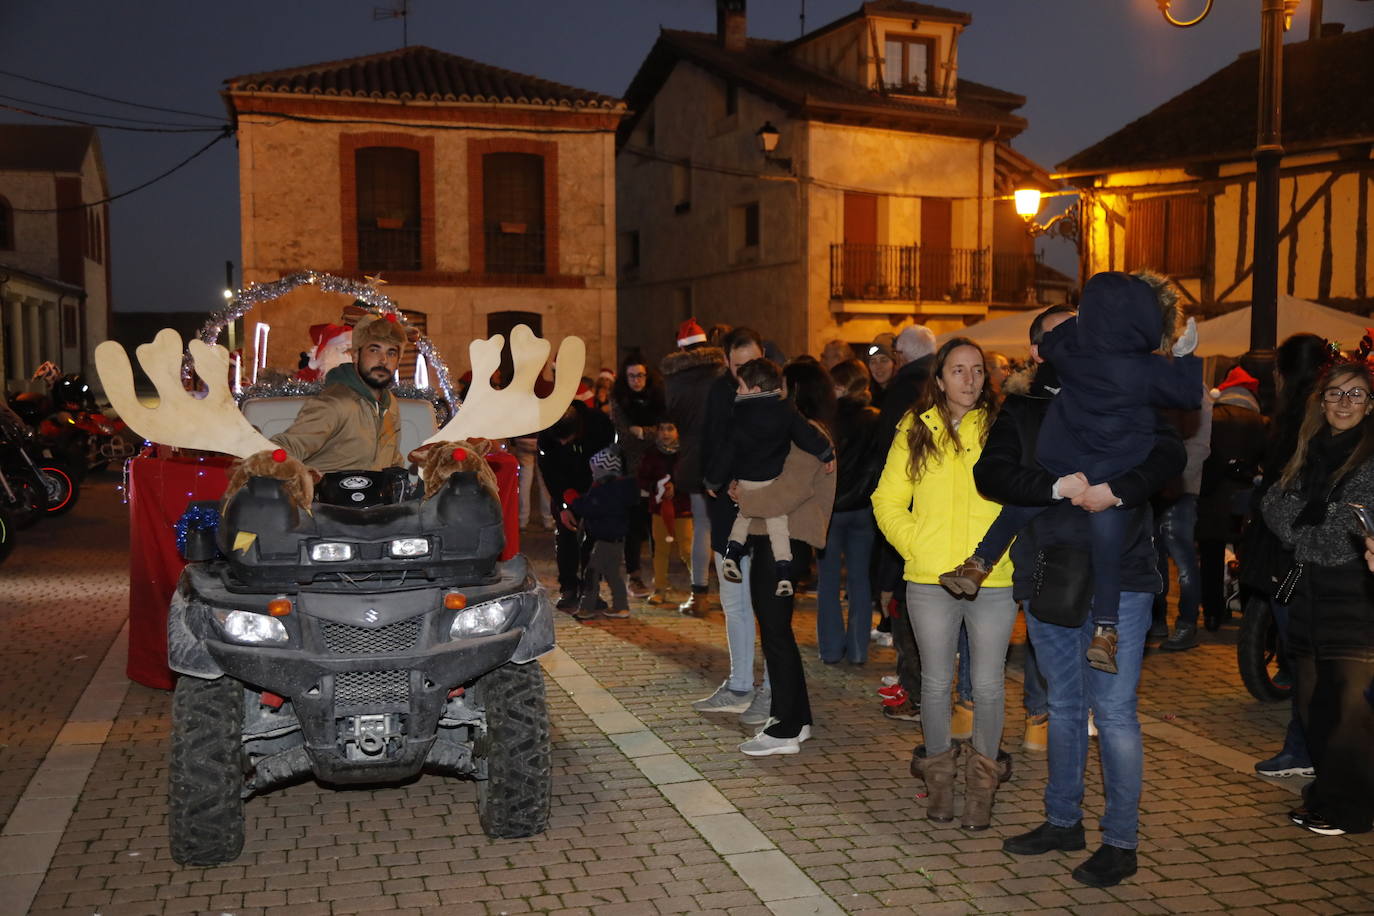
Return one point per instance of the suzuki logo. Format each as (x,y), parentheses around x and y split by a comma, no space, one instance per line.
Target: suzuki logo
(371,616)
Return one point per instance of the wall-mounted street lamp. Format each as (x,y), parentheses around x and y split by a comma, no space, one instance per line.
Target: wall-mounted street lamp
(1065,225)
(768,137)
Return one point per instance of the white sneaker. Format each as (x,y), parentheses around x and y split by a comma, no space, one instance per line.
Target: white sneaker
(1092,726)
(724,700)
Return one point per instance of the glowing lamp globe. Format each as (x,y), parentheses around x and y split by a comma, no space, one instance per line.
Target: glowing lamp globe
(1027,203)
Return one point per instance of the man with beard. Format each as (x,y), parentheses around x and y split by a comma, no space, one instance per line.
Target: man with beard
(354,422)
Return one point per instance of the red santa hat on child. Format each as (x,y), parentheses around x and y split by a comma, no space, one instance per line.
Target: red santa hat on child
(689,332)
(1236,378)
(585,394)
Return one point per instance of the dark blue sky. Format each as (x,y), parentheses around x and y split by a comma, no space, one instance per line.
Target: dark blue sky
(1087,67)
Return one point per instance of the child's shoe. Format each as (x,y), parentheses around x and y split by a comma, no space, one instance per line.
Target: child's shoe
(729,562)
(967,578)
(785,588)
(1101,652)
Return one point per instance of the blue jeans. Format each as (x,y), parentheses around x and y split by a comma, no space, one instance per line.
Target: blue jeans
(739,629)
(1034,698)
(701,545)
(1175,527)
(1294,739)
(1074,688)
(849,544)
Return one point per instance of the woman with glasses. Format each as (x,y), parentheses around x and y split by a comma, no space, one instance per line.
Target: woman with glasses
(1330,596)
(637,407)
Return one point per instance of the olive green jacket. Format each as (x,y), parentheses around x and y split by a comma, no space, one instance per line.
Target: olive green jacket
(345,427)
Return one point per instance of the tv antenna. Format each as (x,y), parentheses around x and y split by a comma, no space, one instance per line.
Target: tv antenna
(402,12)
(803,17)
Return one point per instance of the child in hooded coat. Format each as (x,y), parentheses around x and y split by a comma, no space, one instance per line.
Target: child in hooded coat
(604,513)
(1102,422)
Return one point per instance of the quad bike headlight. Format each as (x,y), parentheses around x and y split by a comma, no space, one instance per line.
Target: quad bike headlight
(410,547)
(484,619)
(249,628)
(330,552)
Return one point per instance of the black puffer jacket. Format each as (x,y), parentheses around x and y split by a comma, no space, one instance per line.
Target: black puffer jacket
(858,463)
(644,409)
(563,465)
(1008,473)
(687,376)
(903,390)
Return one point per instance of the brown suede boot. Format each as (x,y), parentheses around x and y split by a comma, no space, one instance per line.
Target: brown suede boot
(696,605)
(967,578)
(1101,652)
(938,773)
(981,780)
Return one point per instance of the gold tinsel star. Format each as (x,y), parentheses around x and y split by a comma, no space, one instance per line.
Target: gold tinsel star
(374,281)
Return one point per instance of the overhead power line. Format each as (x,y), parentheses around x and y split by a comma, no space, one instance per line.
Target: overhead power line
(224,134)
(108,98)
(141,130)
(33,103)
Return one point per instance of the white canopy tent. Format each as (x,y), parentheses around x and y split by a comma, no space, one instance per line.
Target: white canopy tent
(1229,334)
(1009,334)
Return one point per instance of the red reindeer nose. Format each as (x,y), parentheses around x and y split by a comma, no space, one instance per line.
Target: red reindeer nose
(460,454)
(391,317)
(279,455)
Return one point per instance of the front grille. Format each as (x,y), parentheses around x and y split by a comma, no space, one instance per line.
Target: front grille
(343,639)
(354,689)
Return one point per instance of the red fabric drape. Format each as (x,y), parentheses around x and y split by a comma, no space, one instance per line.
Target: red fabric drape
(159,490)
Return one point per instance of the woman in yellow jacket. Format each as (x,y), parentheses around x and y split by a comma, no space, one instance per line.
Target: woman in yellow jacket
(929,509)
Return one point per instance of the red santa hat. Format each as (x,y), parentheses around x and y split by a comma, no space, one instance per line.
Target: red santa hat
(585,394)
(1237,377)
(322,334)
(606,372)
(689,332)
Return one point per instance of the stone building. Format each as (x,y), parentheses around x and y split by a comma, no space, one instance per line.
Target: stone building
(484,198)
(54,250)
(1174,190)
(837,185)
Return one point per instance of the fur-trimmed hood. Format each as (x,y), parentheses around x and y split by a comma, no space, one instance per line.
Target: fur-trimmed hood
(682,360)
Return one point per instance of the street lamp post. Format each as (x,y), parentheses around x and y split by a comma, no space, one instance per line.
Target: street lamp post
(1275,15)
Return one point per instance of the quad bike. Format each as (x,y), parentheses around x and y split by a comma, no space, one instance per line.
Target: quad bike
(360,639)
(360,645)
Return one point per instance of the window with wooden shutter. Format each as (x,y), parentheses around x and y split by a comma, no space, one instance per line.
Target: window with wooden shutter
(1167,234)
(388,196)
(513,212)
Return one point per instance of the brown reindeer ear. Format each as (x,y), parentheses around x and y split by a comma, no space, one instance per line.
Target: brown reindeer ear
(480,446)
(419,455)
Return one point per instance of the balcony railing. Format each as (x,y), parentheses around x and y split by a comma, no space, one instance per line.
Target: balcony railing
(872,272)
(1015,278)
(514,248)
(908,272)
(388,249)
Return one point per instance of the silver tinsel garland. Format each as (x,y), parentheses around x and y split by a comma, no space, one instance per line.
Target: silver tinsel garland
(257,293)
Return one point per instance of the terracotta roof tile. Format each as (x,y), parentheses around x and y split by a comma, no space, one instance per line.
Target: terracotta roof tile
(420,74)
(1327,100)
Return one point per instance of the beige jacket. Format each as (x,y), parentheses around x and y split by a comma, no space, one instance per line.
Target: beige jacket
(343,429)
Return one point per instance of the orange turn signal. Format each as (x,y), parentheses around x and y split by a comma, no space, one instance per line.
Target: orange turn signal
(455,601)
(279,607)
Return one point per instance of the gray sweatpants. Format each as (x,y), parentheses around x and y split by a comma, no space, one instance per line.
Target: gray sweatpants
(607,561)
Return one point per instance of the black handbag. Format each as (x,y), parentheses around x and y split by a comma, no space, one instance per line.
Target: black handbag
(1284,593)
(1062,585)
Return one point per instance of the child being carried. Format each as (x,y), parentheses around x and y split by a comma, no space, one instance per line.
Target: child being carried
(763,427)
(1101,424)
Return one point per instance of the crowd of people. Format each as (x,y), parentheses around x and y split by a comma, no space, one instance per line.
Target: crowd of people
(945,489)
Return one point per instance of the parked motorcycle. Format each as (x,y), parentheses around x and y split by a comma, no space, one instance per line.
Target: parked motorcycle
(31,483)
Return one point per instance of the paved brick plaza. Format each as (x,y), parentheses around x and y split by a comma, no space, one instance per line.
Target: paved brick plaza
(654,810)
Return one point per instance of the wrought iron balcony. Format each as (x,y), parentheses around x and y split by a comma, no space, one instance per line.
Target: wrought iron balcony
(1015,278)
(908,272)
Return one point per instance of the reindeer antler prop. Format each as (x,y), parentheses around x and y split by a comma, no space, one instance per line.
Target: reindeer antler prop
(212,423)
(514,410)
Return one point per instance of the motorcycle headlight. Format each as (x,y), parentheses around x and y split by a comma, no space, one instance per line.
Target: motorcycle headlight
(330,552)
(484,619)
(410,547)
(252,629)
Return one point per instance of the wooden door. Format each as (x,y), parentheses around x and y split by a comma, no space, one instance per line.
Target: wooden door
(860,262)
(936,273)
